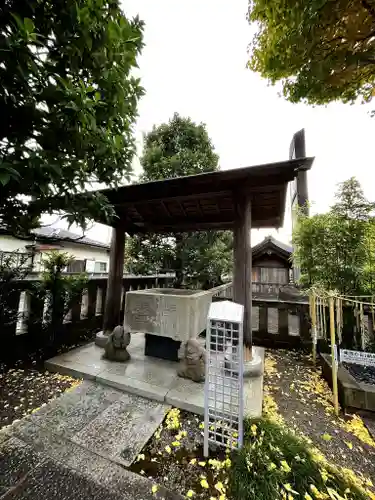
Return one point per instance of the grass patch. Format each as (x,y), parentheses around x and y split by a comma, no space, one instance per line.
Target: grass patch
(275,463)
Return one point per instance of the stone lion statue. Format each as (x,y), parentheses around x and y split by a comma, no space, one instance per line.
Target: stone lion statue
(192,365)
(118,341)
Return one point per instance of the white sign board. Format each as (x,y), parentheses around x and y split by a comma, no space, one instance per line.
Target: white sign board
(223,391)
(357,357)
(314,336)
(335,354)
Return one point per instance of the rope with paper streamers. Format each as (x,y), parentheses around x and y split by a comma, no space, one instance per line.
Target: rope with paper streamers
(319,300)
(322,302)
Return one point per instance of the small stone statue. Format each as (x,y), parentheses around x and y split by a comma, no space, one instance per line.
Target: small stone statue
(193,363)
(118,341)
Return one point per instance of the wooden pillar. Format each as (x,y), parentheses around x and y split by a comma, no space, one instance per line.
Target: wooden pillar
(301,181)
(242,286)
(112,307)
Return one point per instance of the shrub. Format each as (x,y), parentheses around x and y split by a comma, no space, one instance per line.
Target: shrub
(274,463)
(59,290)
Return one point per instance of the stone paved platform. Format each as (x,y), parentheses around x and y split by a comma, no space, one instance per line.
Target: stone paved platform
(78,446)
(148,377)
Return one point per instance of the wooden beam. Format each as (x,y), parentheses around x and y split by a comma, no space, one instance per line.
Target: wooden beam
(183,197)
(242,289)
(186,227)
(112,308)
(200,226)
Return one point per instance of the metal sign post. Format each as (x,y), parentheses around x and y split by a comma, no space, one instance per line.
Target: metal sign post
(223,391)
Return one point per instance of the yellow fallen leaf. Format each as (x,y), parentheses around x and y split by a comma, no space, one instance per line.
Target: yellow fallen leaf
(220,487)
(284,466)
(307,497)
(168,449)
(176,443)
(349,444)
(327,437)
(324,475)
(289,488)
(155,488)
(202,464)
(190,493)
(204,483)
(193,461)
(334,495)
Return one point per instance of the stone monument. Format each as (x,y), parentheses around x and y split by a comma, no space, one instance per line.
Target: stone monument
(118,341)
(193,364)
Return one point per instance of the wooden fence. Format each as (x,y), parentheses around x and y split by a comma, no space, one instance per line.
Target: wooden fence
(266,288)
(275,323)
(86,316)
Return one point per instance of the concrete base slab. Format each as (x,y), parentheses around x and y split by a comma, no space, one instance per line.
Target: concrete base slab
(152,378)
(132,386)
(186,395)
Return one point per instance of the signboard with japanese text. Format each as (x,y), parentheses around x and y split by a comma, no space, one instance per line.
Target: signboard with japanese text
(357,357)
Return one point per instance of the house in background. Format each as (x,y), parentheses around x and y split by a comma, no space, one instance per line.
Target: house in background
(271,266)
(89,255)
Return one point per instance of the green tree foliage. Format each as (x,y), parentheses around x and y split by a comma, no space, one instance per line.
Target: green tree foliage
(177,148)
(68,101)
(336,250)
(320,50)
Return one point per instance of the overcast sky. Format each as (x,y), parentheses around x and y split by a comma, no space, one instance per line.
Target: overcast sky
(194,62)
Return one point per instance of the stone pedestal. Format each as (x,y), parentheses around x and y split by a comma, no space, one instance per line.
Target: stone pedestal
(101,339)
(161,347)
(253,367)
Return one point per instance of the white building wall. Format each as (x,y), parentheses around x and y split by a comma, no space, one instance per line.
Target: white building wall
(82,252)
(11,244)
(79,251)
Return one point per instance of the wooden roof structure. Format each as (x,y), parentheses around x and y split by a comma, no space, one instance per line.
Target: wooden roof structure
(271,244)
(205,201)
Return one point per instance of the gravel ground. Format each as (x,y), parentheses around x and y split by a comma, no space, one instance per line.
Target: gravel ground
(305,402)
(25,390)
(364,374)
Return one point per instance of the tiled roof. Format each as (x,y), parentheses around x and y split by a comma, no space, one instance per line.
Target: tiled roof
(57,234)
(270,239)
